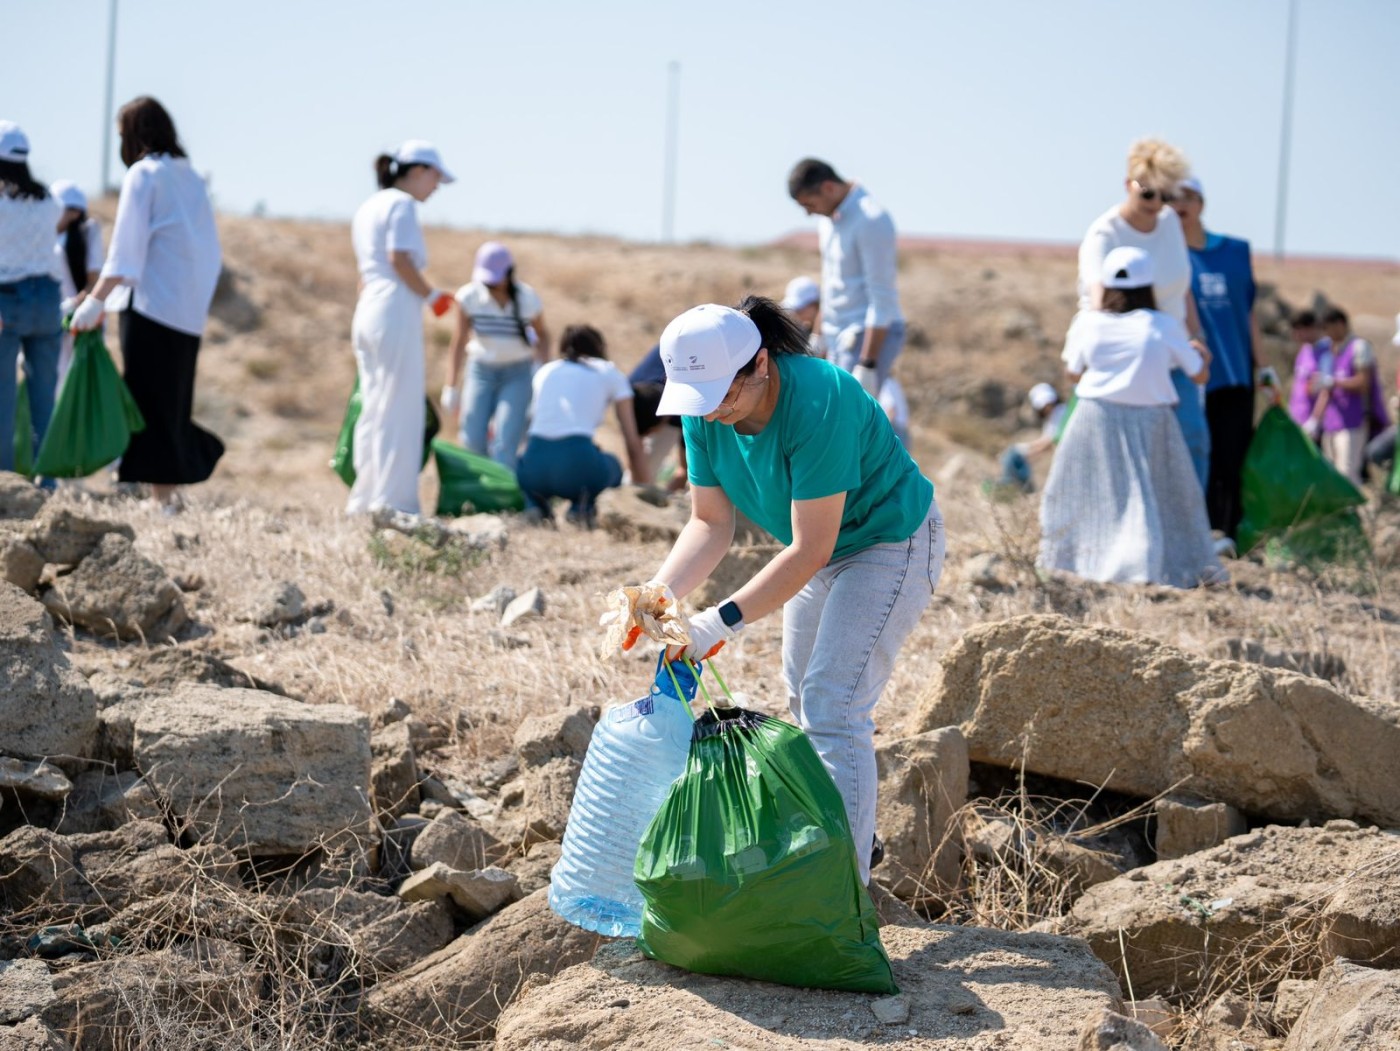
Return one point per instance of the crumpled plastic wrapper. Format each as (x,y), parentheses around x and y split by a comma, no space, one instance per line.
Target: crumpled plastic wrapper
(642,609)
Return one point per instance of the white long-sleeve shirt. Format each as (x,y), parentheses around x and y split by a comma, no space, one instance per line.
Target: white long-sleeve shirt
(858,267)
(28,226)
(165,243)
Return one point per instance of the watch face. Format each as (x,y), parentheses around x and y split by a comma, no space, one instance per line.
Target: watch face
(729,613)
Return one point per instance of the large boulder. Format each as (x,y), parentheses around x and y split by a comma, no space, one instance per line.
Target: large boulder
(1266,900)
(46,708)
(1120,709)
(261,773)
(1353,1009)
(458,993)
(116,591)
(923,783)
(961,988)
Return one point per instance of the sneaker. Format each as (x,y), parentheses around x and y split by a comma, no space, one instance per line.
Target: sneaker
(877,851)
(1225,547)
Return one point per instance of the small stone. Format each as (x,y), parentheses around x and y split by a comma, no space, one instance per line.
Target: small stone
(621,1002)
(890,1010)
(26,988)
(961,1004)
(286,605)
(40,779)
(495,602)
(528,605)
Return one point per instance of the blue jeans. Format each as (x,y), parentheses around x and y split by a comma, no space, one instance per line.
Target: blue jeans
(1191,414)
(571,468)
(30,313)
(841,635)
(496,395)
(845,352)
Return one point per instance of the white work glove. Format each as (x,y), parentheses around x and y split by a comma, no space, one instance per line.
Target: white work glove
(88,315)
(1023,448)
(1312,427)
(68,305)
(439,302)
(868,378)
(708,634)
(450,398)
(1326,380)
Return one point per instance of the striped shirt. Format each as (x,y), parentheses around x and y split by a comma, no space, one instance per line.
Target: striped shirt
(496,336)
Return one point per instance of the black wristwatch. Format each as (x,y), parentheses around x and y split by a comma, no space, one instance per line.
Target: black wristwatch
(868,364)
(730,614)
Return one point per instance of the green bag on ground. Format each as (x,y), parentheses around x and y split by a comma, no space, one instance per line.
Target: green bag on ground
(93,418)
(748,869)
(24,432)
(1296,500)
(469,483)
(1393,486)
(343,462)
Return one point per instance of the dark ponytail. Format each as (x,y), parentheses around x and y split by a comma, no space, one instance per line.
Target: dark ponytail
(513,292)
(779,333)
(75,250)
(389,171)
(582,341)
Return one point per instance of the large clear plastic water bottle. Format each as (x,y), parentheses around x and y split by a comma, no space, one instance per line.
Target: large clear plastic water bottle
(636,752)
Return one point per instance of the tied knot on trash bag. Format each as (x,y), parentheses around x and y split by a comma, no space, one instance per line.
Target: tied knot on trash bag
(642,609)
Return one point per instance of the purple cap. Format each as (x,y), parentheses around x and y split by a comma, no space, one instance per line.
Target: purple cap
(493,259)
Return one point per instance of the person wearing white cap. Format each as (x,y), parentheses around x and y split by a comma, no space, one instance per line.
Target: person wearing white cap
(30,319)
(1045,402)
(1122,503)
(387,330)
(798,446)
(1142,219)
(80,257)
(1222,285)
(502,338)
(862,326)
(165,247)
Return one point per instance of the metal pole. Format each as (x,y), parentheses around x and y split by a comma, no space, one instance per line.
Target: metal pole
(107,115)
(668,190)
(1286,136)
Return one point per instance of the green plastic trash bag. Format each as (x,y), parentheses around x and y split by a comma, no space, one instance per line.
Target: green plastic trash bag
(748,869)
(24,432)
(1290,492)
(471,484)
(343,462)
(1393,486)
(94,417)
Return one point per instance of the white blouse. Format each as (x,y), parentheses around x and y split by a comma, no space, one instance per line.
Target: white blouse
(28,226)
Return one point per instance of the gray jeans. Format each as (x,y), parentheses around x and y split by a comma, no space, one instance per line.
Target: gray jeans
(845,348)
(841,634)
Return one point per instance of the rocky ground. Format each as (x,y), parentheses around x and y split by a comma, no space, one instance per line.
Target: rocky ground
(272,778)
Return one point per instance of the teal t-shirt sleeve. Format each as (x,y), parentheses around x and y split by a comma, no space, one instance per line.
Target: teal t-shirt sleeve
(826,427)
(697,454)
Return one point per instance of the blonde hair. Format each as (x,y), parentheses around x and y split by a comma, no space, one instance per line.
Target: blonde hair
(1153,162)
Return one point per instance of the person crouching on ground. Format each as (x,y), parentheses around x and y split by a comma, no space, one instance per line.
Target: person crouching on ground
(388,329)
(572,396)
(1045,402)
(797,445)
(1123,503)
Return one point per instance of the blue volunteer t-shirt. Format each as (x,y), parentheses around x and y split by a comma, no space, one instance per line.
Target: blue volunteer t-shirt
(1222,280)
(827,436)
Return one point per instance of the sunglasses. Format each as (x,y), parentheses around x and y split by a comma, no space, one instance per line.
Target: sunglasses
(1147,193)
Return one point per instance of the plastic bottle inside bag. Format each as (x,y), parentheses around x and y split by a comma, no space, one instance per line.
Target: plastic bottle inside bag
(636,752)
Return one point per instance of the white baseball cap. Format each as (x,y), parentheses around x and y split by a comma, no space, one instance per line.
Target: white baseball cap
(703,350)
(1127,267)
(67,193)
(14,143)
(1194,185)
(1396,338)
(1042,396)
(801,292)
(421,151)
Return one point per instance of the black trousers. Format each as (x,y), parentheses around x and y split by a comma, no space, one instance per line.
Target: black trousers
(159,372)
(1230,417)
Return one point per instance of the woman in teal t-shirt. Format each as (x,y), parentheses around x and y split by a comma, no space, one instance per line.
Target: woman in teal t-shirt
(798,446)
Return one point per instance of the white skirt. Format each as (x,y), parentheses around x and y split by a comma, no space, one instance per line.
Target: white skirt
(1123,504)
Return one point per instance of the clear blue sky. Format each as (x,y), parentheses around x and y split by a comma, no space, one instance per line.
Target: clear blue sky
(993,119)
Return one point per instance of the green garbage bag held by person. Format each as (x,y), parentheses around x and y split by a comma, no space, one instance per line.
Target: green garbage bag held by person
(1294,499)
(749,868)
(343,462)
(24,432)
(472,484)
(1393,486)
(94,417)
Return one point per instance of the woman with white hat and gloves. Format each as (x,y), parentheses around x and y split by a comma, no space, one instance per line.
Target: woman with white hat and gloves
(797,445)
(387,330)
(1122,503)
(80,256)
(30,320)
